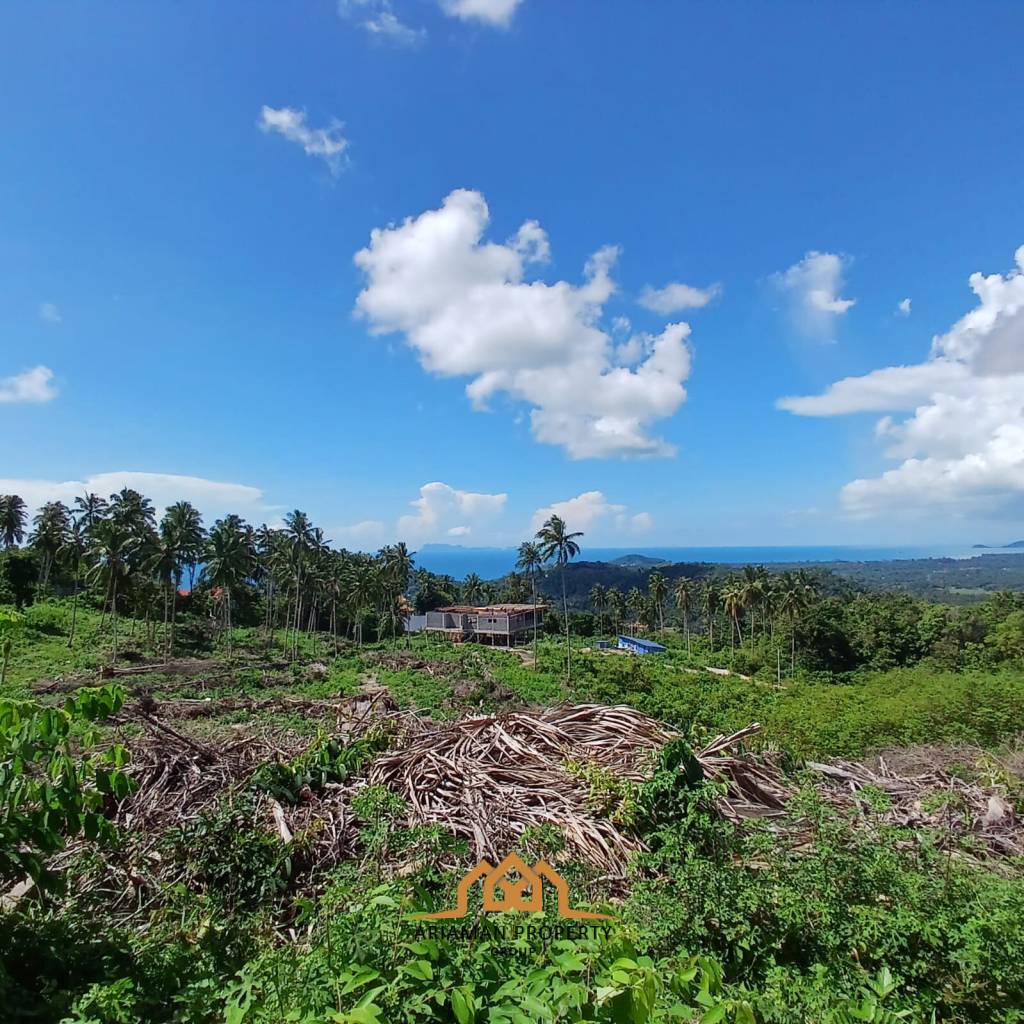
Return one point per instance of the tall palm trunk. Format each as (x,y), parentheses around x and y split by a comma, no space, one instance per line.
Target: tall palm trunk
(167,635)
(568,642)
(227,615)
(113,615)
(174,612)
(533,580)
(74,612)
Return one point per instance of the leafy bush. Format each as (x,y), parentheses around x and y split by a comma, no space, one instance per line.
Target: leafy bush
(52,617)
(48,792)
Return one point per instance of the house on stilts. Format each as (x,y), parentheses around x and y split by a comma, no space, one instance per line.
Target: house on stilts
(503,625)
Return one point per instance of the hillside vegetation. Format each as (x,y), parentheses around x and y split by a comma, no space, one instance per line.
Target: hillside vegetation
(224,804)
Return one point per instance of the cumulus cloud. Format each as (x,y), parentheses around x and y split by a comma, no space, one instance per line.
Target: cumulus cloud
(962,446)
(442,510)
(327,144)
(212,497)
(378,18)
(366,535)
(903,308)
(675,297)
(812,288)
(49,313)
(491,12)
(592,510)
(35,385)
(467,309)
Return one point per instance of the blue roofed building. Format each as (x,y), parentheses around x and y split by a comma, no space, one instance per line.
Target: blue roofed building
(638,646)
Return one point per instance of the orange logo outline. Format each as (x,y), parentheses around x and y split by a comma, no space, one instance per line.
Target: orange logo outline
(514,891)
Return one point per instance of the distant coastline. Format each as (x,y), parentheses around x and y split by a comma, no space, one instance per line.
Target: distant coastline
(491,562)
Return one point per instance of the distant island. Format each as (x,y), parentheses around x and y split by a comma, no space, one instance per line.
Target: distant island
(1001,547)
(638,561)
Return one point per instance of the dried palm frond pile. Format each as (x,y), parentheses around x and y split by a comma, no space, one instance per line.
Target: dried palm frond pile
(755,787)
(949,808)
(178,777)
(489,779)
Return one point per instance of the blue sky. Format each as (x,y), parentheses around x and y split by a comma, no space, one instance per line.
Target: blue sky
(185,188)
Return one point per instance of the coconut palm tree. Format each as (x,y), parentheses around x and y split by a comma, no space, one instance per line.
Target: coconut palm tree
(75,545)
(134,512)
(472,589)
(617,604)
(335,588)
(733,603)
(185,523)
(635,602)
(529,560)
(52,524)
(89,510)
(299,531)
(711,602)
(657,589)
(162,563)
(557,543)
(796,592)
(751,586)
(13,518)
(111,549)
(229,562)
(599,599)
(361,592)
(682,591)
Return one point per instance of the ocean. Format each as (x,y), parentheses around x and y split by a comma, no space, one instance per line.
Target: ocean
(490,563)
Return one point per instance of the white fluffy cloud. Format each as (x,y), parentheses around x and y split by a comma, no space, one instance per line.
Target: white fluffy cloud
(812,287)
(466,308)
(903,308)
(35,385)
(212,497)
(366,535)
(675,297)
(962,445)
(592,510)
(49,313)
(327,144)
(442,510)
(490,12)
(378,18)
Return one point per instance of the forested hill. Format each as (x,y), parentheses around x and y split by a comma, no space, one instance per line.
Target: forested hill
(581,576)
(951,580)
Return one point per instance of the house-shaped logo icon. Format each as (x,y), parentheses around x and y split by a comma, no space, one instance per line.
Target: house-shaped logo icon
(513,886)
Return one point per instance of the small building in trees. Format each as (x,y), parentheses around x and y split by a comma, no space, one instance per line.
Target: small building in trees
(503,625)
(635,645)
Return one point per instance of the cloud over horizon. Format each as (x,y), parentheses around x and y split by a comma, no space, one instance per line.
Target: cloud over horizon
(212,497)
(962,446)
(592,509)
(444,511)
